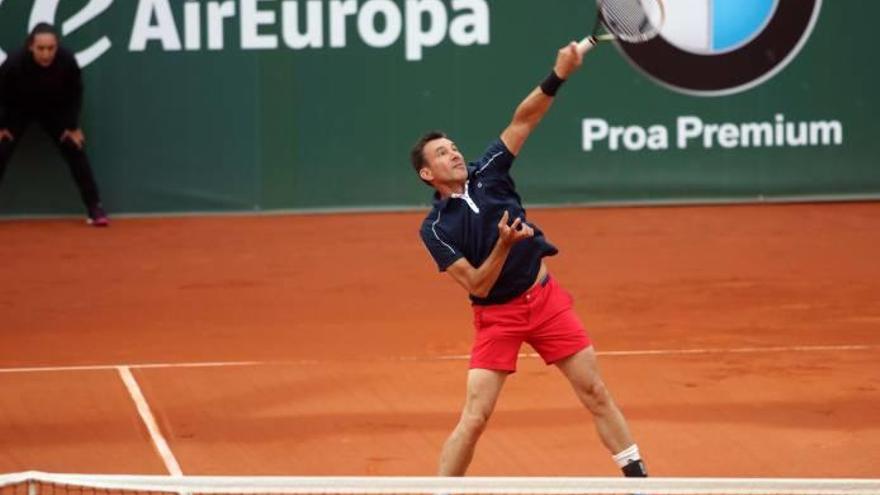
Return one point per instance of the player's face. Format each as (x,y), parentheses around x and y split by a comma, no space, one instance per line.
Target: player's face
(44,47)
(445,164)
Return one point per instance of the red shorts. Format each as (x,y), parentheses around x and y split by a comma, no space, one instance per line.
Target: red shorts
(542,316)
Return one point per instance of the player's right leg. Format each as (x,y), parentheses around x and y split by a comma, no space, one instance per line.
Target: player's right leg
(7,146)
(483,387)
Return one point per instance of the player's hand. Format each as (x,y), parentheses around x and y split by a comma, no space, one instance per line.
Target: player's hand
(515,232)
(75,136)
(568,60)
(5,134)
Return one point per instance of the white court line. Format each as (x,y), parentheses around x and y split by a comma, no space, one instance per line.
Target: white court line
(743,350)
(104,367)
(150,422)
(453,357)
(678,352)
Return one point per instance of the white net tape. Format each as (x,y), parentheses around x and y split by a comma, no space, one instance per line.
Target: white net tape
(37,483)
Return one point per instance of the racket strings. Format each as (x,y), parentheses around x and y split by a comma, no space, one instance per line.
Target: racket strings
(628,20)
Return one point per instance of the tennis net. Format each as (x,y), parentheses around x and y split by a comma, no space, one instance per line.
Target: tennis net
(38,483)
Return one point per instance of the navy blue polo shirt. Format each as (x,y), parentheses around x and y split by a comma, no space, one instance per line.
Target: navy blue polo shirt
(466,226)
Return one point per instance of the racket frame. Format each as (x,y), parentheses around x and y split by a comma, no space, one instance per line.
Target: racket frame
(592,40)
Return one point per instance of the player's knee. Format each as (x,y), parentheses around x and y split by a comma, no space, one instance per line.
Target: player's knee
(474,422)
(595,396)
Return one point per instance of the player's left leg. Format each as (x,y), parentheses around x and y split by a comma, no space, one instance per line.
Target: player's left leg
(582,372)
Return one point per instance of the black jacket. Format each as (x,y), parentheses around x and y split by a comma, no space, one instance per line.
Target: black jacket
(28,90)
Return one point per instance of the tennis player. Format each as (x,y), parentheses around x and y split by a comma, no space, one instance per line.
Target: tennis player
(42,83)
(477,232)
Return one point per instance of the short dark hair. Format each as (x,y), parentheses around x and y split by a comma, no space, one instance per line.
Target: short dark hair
(41,28)
(417,153)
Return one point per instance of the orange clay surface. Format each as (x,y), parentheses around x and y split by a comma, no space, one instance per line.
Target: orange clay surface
(765,322)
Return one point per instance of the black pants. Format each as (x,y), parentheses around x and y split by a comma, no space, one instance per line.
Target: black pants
(76,158)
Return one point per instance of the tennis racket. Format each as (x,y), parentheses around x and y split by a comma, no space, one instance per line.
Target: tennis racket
(631,21)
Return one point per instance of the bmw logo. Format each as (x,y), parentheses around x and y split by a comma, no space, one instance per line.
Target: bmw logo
(722,47)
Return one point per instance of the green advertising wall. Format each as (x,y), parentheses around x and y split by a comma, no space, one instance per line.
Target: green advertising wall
(182,117)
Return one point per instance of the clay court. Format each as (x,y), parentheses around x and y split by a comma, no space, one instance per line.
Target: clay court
(739,341)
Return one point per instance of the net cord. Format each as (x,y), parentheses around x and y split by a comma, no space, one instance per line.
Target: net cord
(434,485)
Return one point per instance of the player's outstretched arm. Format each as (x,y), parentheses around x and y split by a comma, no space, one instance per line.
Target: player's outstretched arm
(531,110)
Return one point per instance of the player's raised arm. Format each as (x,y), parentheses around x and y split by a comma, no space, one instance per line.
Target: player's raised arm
(536,104)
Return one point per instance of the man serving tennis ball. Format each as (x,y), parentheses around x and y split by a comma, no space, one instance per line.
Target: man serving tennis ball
(478,233)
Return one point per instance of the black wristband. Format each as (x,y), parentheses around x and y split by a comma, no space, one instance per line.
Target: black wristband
(551,85)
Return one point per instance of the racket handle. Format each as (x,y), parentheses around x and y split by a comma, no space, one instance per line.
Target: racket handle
(586,45)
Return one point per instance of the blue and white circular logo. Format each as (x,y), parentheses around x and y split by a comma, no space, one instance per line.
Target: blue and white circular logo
(721,47)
